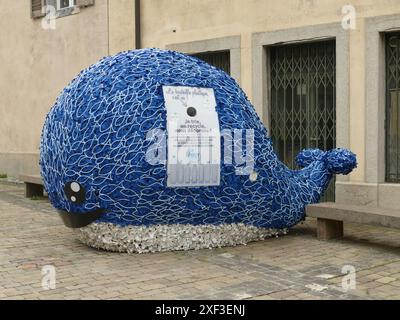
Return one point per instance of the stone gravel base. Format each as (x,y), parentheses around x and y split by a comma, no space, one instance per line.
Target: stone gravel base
(156,238)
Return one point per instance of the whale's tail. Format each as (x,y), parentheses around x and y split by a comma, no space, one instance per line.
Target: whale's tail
(338,161)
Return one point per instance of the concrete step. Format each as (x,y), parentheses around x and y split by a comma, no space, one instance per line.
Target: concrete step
(33,185)
(330,217)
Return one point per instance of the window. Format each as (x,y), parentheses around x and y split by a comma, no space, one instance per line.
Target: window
(302,100)
(63,4)
(393,107)
(63,7)
(219,59)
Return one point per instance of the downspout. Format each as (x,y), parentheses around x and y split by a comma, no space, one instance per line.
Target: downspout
(108,27)
(138,33)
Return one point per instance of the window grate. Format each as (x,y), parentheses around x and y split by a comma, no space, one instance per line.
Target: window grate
(392,107)
(219,59)
(302,99)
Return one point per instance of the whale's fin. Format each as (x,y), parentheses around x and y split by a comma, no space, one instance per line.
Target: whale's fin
(308,156)
(338,161)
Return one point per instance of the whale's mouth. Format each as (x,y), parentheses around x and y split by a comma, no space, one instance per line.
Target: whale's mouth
(79,220)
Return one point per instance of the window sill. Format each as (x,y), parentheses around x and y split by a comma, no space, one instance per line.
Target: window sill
(67,12)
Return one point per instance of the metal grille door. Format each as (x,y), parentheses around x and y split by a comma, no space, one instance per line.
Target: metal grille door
(219,59)
(393,107)
(303,112)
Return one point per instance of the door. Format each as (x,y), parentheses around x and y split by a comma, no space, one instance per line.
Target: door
(302,100)
(219,59)
(393,107)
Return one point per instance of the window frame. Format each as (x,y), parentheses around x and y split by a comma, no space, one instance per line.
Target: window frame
(209,55)
(72,4)
(74,7)
(391,176)
(230,43)
(375,103)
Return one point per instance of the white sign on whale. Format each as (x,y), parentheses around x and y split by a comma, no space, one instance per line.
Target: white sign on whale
(194,144)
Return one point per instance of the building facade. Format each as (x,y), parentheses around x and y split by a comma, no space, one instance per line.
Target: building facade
(320,73)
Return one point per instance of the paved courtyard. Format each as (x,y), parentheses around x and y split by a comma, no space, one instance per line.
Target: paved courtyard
(296,266)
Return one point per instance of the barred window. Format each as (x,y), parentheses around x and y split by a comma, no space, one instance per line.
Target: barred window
(219,59)
(303,100)
(393,107)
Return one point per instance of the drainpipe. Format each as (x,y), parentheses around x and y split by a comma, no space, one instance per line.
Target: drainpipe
(138,33)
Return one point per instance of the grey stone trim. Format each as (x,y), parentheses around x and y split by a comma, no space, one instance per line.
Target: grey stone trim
(231,43)
(389,195)
(14,164)
(383,195)
(260,56)
(375,94)
(356,193)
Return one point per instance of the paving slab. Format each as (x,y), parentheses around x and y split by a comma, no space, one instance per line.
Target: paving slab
(295,266)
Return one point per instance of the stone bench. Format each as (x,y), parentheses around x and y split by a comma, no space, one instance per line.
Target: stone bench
(33,185)
(330,217)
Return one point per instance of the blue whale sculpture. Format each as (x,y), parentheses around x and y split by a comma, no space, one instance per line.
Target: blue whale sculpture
(95,140)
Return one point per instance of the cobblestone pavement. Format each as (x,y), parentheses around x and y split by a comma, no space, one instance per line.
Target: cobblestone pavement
(295,266)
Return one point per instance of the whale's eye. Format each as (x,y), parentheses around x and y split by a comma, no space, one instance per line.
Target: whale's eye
(74,192)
